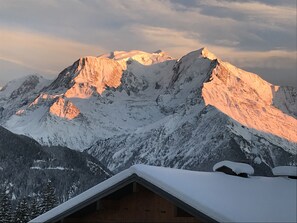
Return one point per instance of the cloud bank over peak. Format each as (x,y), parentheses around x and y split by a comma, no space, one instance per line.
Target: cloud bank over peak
(45,37)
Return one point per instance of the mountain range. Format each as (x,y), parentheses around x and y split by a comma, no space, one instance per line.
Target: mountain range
(137,107)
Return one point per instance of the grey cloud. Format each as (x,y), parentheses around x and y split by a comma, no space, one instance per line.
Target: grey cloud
(118,25)
(103,19)
(290,3)
(11,71)
(282,77)
(185,4)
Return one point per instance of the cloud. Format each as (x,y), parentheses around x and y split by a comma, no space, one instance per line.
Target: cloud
(246,33)
(12,70)
(16,62)
(250,24)
(276,66)
(179,43)
(42,53)
(257,12)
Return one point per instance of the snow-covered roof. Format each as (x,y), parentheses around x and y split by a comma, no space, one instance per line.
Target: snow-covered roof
(285,171)
(237,168)
(222,197)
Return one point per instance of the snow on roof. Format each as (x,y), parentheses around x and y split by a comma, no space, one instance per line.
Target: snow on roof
(222,197)
(237,168)
(285,171)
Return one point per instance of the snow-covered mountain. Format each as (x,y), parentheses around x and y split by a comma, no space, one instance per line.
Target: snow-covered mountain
(131,107)
(18,93)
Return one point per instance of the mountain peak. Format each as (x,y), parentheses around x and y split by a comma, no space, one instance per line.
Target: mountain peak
(23,85)
(88,75)
(122,55)
(204,52)
(64,109)
(142,57)
(97,73)
(193,58)
(248,99)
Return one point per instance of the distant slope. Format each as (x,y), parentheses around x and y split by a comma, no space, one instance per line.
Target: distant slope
(195,143)
(17,94)
(26,166)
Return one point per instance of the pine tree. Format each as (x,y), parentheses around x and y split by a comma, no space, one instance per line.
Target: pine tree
(22,212)
(48,198)
(34,210)
(5,208)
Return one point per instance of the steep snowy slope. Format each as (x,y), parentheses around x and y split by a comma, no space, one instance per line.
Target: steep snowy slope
(17,94)
(285,99)
(249,100)
(88,75)
(130,107)
(87,113)
(194,136)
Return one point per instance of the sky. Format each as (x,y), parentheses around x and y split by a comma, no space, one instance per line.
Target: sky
(46,36)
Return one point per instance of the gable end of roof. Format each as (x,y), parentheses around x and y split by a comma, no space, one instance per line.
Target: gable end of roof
(133,178)
(94,198)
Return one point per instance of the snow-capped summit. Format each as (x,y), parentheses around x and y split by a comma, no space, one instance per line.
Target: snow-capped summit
(17,94)
(139,56)
(23,85)
(87,75)
(248,99)
(129,107)
(207,54)
(94,74)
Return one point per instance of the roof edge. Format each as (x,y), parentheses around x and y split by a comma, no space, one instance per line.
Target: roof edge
(90,200)
(134,177)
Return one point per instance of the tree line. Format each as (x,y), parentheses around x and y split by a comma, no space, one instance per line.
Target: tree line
(27,208)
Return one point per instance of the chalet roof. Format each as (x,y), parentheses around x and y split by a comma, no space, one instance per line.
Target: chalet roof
(222,197)
(285,171)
